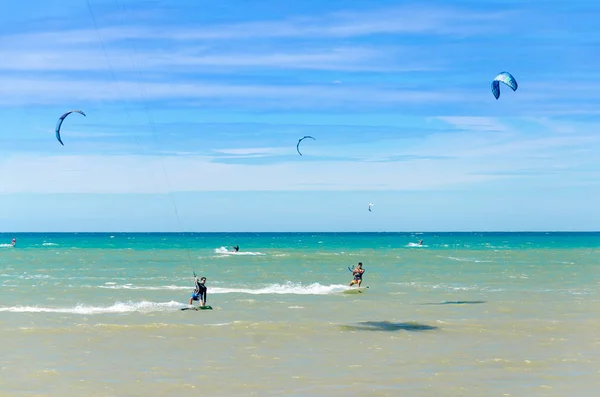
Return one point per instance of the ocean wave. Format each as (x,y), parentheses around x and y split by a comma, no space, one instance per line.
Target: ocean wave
(468,260)
(446,287)
(145,287)
(282,289)
(273,289)
(416,245)
(5,245)
(49,244)
(118,307)
(225,251)
(34,277)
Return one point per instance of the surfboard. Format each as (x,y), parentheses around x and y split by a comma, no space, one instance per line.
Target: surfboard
(356,290)
(197,308)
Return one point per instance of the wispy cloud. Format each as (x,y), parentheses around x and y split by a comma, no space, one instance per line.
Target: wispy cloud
(250,151)
(475,124)
(189,60)
(398,98)
(484,137)
(457,158)
(21,91)
(105,174)
(406,19)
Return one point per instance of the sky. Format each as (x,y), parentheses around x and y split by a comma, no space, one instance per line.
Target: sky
(194,109)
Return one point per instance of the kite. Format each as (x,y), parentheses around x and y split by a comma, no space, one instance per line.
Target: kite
(300,140)
(507,79)
(60,121)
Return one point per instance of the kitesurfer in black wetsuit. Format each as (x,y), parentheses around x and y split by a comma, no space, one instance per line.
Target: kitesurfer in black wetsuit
(199,292)
(357,273)
(236,248)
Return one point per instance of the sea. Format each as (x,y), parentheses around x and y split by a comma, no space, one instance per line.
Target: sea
(462,314)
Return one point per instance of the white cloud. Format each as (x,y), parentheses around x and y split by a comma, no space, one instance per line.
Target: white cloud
(466,158)
(476,124)
(395,20)
(20,91)
(190,60)
(485,136)
(252,151)
(138,174)
(543,146)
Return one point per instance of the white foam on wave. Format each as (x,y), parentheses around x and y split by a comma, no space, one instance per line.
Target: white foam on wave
(49,244)
(118,307)
(6,245)
(33,276)
(144,287)
(416,245)
(468,260)
(225,251)
(273,289)
(283,289)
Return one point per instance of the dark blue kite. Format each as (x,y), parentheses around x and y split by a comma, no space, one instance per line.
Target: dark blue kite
(60,121)
(300,140)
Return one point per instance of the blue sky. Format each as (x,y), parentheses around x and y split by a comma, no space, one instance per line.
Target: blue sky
(197,106)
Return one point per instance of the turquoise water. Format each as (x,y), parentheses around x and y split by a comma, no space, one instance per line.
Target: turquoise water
(463,314)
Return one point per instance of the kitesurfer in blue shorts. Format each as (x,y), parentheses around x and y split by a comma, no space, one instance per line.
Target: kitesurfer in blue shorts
(199,293)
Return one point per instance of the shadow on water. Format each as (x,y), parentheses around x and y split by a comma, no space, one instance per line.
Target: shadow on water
(388,326)
(455,303)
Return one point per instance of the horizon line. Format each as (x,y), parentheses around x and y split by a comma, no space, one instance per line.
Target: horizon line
(297,232)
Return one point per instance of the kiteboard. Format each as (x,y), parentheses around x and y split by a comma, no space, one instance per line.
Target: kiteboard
(356,290)
(197,308)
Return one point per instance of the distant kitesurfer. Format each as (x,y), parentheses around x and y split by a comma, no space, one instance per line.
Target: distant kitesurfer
(421,242)
(199,291)
(14,242)
(357,273)
(236,248)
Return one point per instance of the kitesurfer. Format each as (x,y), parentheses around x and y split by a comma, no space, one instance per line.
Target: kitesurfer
(236,248)
(14,242)
(357,273)
(199,292)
